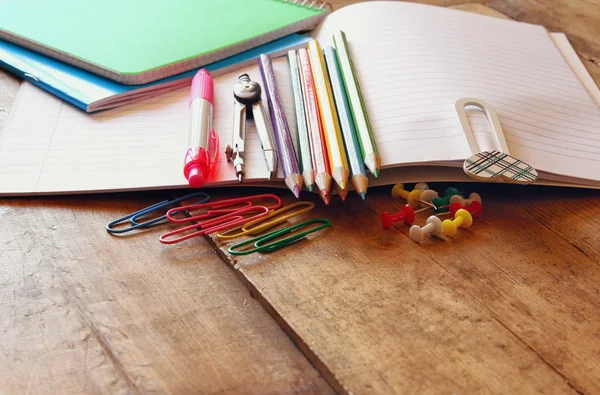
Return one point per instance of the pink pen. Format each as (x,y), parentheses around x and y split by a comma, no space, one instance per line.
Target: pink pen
(201,157)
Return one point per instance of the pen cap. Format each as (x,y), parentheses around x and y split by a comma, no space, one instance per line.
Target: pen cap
(196,168)
(202,87)
(200,164)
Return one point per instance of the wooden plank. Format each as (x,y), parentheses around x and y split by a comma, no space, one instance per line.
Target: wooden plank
(86,312)
(571,214)
(541,288)
(385,315)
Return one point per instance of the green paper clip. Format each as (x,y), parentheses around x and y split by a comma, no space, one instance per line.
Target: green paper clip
(260,241)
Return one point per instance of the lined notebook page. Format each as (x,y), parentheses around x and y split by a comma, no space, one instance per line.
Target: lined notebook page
(50,147)
(414,61)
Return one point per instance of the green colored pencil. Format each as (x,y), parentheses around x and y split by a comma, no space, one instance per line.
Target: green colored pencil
(359,111)
(304,153)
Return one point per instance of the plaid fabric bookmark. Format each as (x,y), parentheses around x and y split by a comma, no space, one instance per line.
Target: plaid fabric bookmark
(495,164)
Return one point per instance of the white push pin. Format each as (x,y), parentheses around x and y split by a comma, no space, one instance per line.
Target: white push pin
(433,226)
(474,197)
(427,196)
(421,186)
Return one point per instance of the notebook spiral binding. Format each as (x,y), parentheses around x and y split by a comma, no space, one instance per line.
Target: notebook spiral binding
(315,4)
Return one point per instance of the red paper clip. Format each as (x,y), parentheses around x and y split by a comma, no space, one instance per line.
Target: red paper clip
(218,216)
(218,223)
(213,209)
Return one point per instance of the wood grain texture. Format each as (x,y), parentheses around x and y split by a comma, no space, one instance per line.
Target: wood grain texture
(489,311)
(86,312)
(508,306)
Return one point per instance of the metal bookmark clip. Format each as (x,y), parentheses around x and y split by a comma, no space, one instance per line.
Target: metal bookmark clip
(495,165)
(247,105)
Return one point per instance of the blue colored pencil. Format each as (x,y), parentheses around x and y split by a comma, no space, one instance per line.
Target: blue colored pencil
(358,171)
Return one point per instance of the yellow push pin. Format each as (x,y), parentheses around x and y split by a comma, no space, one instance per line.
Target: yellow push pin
(412,197)
(462,219)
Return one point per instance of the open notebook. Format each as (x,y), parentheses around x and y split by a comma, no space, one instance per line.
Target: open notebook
(413,61)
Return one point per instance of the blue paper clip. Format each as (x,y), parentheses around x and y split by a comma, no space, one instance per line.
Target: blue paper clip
(134,217)
(260,241)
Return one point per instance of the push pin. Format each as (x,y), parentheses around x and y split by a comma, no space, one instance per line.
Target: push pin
(473,197)
(475,208)
(426,200)
(462,219)
(427,196)
(444,202)
(407,215)
(422,186)
(412,197)
(433,226)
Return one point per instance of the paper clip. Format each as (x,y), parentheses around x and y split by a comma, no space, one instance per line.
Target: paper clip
(494,165)
(260,241)
(218,222)
(221,207)
(246,230)
(133,217)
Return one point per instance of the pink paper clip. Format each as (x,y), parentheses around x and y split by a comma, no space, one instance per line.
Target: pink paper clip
(218,223)
(218,216)
(212,209)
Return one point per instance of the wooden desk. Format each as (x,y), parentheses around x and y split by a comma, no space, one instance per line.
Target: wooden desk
(510,306)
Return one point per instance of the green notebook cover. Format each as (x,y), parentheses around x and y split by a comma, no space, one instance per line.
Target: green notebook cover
(139,41)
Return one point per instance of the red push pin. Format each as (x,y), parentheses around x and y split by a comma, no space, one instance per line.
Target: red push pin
(407,215)
(475,208)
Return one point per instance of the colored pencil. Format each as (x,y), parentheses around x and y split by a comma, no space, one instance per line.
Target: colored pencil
(303,140)
(359,111)
(315,131)
(358,173)
(287,154)
(331,127)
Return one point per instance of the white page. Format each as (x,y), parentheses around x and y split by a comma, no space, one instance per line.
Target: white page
(49,146)
(414,61)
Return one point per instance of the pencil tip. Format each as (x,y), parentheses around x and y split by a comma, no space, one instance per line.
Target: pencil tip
(296,191)
(326,198)
(342,185)
(310,188)
(363,195)
(376,173)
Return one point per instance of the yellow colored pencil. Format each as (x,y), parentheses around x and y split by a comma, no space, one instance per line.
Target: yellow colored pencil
(340,171)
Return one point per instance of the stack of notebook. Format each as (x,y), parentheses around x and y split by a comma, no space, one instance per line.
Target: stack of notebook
(412,61)
(102,55)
